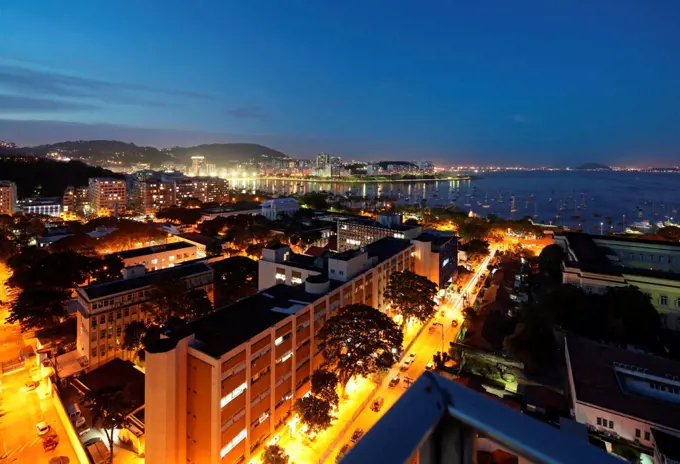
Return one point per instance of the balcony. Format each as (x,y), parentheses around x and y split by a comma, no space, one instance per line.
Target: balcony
(438,421)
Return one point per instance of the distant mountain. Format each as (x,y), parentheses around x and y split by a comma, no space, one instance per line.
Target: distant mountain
(221,153)
(103,152)
(593,167)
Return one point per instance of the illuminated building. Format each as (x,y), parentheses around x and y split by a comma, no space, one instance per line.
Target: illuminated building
(156,194)
(158,257)
(104,309)
(43,206)
(107,195)
(198,165)
(223,385)
(271,209)
(8,197)
(205,189)
(322,166)
(357,232)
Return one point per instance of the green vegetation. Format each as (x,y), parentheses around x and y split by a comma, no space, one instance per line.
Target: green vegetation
(359,341)
(412,296)
(235,278)
(274,454)
(314,412)
(325,386)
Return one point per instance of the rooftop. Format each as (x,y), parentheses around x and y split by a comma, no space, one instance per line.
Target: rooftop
(199,238)
(230,326)
(153,249)
(279,202)
(116,374)
(113,287)
(596,381)
(241,206)
(667,444)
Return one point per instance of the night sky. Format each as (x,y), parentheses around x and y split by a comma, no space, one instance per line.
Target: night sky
(507,81)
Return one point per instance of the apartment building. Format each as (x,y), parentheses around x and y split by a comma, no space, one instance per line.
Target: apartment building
(206,189)
(224,385)
(104,309)
(107,195)
(357,232)
(8,197)
(156,194)
(158,257)
(623,395)
(594,262)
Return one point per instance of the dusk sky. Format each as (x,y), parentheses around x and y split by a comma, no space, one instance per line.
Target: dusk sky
(524,81)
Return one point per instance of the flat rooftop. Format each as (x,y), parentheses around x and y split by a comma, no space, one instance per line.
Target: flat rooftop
(596,381)
(230,326)
(127,254)
(592,257)
(113,287)
(199,238)
(117,374)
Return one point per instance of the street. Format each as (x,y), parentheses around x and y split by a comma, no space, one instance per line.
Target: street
(20,411)
(354,411)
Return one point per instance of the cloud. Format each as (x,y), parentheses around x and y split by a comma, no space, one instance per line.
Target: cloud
(519,118)
(15,104)
(248,112)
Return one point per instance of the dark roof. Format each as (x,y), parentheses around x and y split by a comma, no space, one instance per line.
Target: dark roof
(633,240)
(387,247)
(228,327)
(198,238)
(153,249)
(103,289)
(117,373)
(241,206)
(667,444)
(596,381)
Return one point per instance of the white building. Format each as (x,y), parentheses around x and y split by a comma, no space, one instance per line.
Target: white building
(44,206)
(622,394)
(272,208)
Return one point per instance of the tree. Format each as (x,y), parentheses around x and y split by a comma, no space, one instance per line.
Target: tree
(107,268)
(109,405)
(550,262)
(198,304)
(180,215)
(315,200)
(133,337)
(192,202)
(325,385)
(171,303)
(235,278)
(533,342)
(80,242)
(38,307)
(631,317)
(359,340)
(213,249)
(274,454)
(670,233)
(412,295)
(477,248)
(314,412)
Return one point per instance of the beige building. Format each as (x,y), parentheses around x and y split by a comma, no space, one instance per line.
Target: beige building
(158,257)
(596,262)
(107,195)
(156,194)
(224,385)
(8,197)
(104,309)
(206,189)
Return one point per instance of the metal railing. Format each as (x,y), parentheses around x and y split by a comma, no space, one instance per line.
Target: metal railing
(440,421)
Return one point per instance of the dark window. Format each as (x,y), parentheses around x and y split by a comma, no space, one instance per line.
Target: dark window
(611,424)
(647,436)
(637,433)
(599,421)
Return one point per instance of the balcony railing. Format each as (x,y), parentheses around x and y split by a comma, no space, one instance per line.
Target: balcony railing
(438,421)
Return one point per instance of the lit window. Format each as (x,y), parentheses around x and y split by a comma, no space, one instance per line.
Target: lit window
(235,441)
(278,341)
(234,394)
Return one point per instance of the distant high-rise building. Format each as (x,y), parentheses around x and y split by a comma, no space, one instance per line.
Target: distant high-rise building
(8,197)
(156,194)
(107,195)
(206,189)
(197,165)
(211,169)
(322,167)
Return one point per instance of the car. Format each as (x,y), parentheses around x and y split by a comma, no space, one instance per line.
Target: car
(43,428)
(429,366)
(29,386)
(356,436)
(50,443)
(454,323)
(377,404)
(342,452)
(405,366)
(395,381)
(412,356)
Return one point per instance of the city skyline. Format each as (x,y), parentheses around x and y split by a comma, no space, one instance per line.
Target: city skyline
(529,84)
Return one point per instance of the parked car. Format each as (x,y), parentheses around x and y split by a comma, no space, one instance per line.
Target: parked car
(356,436)
(377,404)
(50,443)
(29,386)
(406,364)
(394,382)
(43,428)
(342,452)
(429,366)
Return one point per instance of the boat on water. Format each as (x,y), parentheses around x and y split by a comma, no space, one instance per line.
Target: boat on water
(643,227)
(513,208)
(486,204)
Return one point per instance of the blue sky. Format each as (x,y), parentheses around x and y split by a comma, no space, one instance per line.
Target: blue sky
(522,81)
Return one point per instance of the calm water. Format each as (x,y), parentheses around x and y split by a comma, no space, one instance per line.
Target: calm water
(563,197)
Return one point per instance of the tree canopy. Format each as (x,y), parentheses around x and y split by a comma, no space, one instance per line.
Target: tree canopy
(109,405)
(477,248)
(325,386)
(359,341)
(274,454)
(314,412)
(180,215)
(550,262)
(170,302)
(411,295)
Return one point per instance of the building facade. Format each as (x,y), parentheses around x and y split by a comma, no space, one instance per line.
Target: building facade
(225,384)
(205,189)
(107,196)
(272,208)
(322,165)
(620,394)
(156,194)
(358,232)
(437,257)
(105,309)
(595,262)
(8,197)
(44,206)
(158,257)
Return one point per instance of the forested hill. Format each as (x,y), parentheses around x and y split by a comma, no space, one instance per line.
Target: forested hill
(54,176)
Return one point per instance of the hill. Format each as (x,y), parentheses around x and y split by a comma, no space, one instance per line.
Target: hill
(221,153)
(593,167)
(103,152)
(54,176)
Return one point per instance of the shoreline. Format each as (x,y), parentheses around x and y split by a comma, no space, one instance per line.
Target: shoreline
(358,181)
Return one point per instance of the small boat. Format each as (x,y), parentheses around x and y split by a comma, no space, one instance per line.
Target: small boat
(486,204)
